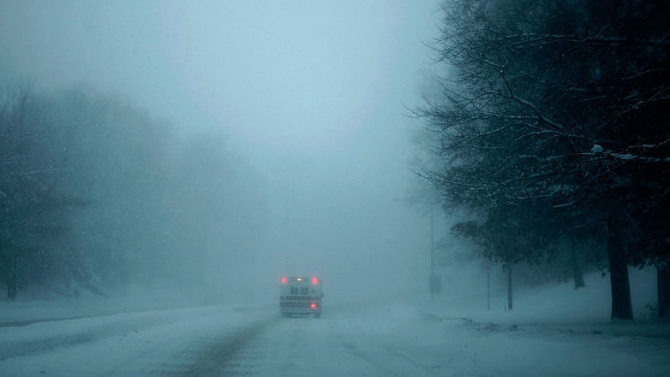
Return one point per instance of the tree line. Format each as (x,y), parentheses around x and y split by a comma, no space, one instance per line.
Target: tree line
(98,195)
(551,131)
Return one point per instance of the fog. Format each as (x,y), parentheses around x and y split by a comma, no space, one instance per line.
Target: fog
(310,97)
(165,163)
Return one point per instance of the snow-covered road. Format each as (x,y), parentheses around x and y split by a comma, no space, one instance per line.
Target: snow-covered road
(128,344)
(399,340)
(388,340)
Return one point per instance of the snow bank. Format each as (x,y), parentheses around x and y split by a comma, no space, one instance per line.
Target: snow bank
(556,308)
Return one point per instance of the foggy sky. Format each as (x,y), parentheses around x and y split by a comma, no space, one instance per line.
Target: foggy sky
(310,93)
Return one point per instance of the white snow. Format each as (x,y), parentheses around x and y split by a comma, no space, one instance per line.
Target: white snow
(597,148)
(554,330)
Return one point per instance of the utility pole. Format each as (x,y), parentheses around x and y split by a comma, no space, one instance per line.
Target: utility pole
(434,283)
(432,243)
(488,286)
(431,283)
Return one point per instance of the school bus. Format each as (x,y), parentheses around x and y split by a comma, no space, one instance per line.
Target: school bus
(300,295)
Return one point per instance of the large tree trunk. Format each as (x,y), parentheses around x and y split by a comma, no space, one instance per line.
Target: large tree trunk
(13,278)
(663,281)
(510,301)
(620,284)
(11,289)
(10,278)
(577,270)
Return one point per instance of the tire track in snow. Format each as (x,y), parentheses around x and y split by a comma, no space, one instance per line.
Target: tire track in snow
(113,325)
(223,355)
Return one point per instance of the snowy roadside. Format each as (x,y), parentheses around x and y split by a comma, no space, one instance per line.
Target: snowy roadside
(550,333)
(27,311)
(555,309)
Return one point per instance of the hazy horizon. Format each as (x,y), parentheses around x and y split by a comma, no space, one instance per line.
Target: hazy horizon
(312,95)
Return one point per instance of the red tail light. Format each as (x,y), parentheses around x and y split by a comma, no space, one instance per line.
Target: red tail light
(315,281)
(313,305)
(284,280)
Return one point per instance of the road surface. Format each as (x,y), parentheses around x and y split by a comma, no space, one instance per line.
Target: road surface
(394,340)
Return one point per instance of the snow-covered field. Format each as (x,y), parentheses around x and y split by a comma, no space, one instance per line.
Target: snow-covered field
(552,303)
(553,331)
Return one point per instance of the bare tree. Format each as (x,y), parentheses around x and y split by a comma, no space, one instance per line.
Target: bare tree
(563,104)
